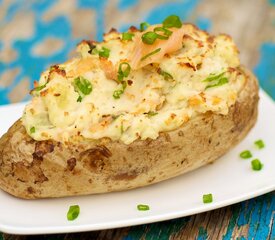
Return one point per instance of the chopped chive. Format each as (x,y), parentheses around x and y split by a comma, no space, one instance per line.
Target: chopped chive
(39,88)
(52,68)
(149,37)
(123,70)
(256,165)
(121,128)
(114,117)
(73,212)
(143,207)
(117,93)
(220,82)
(165,33)
(259,144)
(127,36)
(105,52)
(172,21)
(32,130)
(150,54)
(167,76)
(215,80)
(151,114)
(213,77)
(95,51)
(83,85)
(79,99)
(144,26)
(207,198)
(246,154)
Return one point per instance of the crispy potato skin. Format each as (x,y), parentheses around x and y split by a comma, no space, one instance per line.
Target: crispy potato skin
(31,169)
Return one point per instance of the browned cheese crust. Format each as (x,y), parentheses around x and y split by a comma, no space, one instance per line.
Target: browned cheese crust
(31,169)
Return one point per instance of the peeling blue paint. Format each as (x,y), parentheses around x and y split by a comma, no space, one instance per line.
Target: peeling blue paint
(265,69)
(126,4)
(181,8)
(32,66)
(204,23)
(262,214)
(257,214)
(272,230)
(202,234)
(99,7)
(272,2)
(13,9)
(232,223)
(245,213)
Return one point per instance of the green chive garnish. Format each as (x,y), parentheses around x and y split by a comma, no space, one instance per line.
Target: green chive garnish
(121,128)
(123,70)
(149,37)
(256,165)
(39,88)
(246,154)
(151,114)
(73,212)
(216,80)
(79,99)
(117,93)
(212,77)
(259,144)
(167,76)
(143,207)
(207,198)
(127,36)
(95,51)
(150,54)
(172,21)
(83,87)
(144,25)
(221,82)
(32,130)
(105,52)
(165,33)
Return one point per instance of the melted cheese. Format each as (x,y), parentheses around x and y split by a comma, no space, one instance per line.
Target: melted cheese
(56,113)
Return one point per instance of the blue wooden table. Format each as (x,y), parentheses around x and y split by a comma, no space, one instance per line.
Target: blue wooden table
(36,34)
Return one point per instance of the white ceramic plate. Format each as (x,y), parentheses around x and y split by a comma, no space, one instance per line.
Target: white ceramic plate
(230,180)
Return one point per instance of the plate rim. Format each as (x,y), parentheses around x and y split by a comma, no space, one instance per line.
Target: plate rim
(70,228)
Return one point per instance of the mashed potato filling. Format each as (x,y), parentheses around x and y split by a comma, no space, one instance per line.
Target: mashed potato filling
(100,95)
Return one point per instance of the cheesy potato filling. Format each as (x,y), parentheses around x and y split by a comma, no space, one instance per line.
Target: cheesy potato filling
(127,88)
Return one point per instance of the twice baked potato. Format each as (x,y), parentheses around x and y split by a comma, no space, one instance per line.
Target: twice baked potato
(136,109)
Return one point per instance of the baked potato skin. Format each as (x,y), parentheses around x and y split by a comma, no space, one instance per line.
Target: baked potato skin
(30,169)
